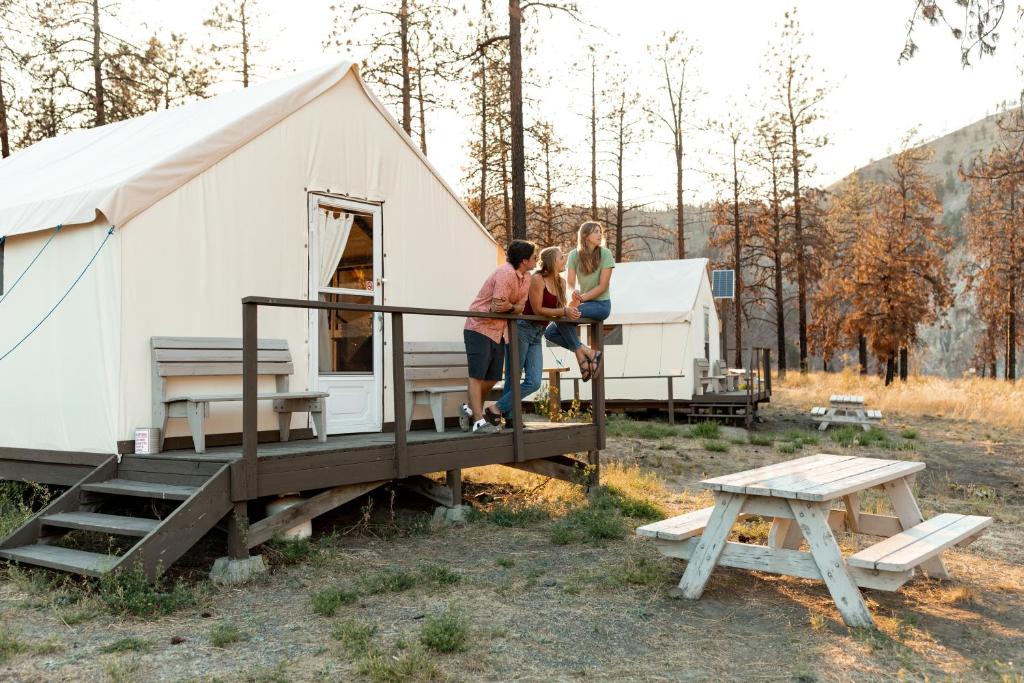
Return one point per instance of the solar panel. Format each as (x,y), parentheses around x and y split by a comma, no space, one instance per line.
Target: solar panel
(723,284)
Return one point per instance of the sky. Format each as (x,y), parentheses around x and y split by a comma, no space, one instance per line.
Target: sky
(873,100)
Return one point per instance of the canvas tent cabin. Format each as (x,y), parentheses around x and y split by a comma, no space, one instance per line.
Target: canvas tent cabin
(300,187)
(663,319)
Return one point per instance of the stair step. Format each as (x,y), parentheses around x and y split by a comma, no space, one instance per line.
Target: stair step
(65,559)
(141,489)
(109,524)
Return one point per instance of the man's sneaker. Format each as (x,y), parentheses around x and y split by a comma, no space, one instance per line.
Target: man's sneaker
(484,427)
(465,417)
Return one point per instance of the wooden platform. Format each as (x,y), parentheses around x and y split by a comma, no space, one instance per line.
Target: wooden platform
(196,490)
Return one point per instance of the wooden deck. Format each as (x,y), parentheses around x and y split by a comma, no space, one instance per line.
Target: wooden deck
(356,458)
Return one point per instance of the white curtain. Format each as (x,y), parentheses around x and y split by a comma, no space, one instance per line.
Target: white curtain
(333,234)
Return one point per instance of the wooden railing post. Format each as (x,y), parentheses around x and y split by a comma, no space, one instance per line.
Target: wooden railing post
(597,388)
(250,434)
(767,371)
(398,390)
(515,372)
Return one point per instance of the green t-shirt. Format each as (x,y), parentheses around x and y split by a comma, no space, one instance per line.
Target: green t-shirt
(589,281)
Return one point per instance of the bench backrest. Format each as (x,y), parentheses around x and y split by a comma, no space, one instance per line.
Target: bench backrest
(435,361)
(206,356)
(701,368)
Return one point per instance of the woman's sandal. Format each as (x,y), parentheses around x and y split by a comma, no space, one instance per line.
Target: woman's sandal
(595,363)
(585,371)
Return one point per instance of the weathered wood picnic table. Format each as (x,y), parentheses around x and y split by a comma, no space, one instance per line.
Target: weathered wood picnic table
(845,409)
(797,495)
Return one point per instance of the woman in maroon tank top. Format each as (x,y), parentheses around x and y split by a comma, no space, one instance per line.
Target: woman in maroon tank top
(546,298)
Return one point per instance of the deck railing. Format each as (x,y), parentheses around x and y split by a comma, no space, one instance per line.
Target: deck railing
(246,486)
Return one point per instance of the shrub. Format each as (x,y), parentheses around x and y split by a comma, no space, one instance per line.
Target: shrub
(909,433)
(354,635)
(625,427)
(326,602)
(10,645)
(225,633)
(611,496)
(129,644)
(786,447)
(386,667)
(715,446)
(439,575)
(516,515)
(386,581)
(706,430)
(447,632)
(756,440)
(291,551)
(129,592)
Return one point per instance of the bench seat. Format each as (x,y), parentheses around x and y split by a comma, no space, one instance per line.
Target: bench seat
(202,398)
(919,543)
(818,410)
(874,414)
(843,398)
(681,527)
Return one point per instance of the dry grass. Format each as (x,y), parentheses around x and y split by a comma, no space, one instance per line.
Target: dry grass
(982,400)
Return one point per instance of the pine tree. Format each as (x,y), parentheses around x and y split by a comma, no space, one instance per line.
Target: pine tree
(234,24)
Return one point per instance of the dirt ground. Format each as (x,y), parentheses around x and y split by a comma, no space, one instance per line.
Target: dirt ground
(540,607)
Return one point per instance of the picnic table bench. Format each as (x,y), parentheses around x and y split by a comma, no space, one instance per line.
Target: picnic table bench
(797,495)
(844,409)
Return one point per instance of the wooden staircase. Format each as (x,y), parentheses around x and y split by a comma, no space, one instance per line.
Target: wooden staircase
(198,490)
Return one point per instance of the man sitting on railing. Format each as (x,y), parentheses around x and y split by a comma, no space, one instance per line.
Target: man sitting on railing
(504,291)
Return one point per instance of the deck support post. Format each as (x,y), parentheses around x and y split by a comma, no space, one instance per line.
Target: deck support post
(453,480)
(250,434)
(398,391)
(514,375)
(238,530)
(671,404)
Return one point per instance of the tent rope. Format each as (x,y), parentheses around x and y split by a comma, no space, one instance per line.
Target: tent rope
(59,301)
(30,263)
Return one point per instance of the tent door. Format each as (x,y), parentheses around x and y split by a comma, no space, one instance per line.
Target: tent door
(346,355)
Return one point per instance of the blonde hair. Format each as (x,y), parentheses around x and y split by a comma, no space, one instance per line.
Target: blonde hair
(548,268)
(589,258)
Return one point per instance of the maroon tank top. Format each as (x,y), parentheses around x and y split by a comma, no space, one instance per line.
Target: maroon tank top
(549,301)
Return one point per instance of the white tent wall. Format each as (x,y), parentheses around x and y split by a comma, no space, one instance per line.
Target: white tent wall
(59,390)
(240,229)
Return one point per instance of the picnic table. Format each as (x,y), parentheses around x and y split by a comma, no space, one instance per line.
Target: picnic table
(798,495)
(845,409)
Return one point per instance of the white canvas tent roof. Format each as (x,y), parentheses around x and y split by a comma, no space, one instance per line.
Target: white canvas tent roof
(656,291)
(121,169)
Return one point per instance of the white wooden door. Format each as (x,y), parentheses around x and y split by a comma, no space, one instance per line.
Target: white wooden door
(346,355)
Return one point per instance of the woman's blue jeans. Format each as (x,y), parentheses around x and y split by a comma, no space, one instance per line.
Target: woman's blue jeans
(531,336)
(565,335)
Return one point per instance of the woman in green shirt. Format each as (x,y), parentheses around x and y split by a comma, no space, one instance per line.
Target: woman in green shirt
(591,264)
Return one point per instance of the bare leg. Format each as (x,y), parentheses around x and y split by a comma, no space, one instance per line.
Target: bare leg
(478,388)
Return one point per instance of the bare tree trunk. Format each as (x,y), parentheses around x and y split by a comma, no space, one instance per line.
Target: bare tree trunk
(423,116)
(97,67)
(862,353)
(992,369)
(890,370)
(737,303)
(780,302)
(593,139)
(904,364)
(680,210)
(403,31)
(515,72)
(5,143)
(504,179)
(1011,335)
(483,139)
(620,209)
(245,46)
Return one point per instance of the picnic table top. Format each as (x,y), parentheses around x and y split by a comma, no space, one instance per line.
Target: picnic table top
(820,477)
(845,398)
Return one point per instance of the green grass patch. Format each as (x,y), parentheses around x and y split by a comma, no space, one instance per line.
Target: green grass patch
(327,601)
(390,667)
(130,644)
(290,551)
(786,447)
(611,496)
(391,580)
(10,645)
(225,633)
(506,562)
(19,501)
(441,576)
(758,440)
(354,635)
(640,570)
(446,632)
(129,592)
(706,430)
(909,433)
(516,515)
(715,446)
(622,426)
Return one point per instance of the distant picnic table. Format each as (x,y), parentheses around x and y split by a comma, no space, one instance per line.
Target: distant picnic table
(845,409)
(797,495)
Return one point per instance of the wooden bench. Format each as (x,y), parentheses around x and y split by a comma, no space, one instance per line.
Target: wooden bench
(678,528)
(914,546)
(434,362)
(222,356)
(703,382)
(818,410)
(874,414)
